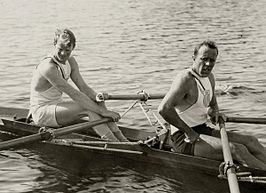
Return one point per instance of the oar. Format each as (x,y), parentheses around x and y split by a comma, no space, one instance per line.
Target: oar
(251,120)
(229,165)
(52,132)
(140,96)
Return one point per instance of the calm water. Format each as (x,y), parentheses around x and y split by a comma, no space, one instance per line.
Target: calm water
(124,47)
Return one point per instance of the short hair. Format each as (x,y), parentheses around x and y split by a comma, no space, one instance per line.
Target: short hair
(208,43)
(66,35)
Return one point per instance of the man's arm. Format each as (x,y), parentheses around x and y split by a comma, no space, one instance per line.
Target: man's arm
(79,81)
(53,75)
(176,94)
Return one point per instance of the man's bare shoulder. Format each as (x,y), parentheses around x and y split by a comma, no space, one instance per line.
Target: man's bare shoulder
(181,85)
(48,67)
(184,77)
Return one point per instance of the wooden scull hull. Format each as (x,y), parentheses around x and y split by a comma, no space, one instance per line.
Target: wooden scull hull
(129,151)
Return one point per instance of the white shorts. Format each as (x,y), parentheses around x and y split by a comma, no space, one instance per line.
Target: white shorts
(45,115)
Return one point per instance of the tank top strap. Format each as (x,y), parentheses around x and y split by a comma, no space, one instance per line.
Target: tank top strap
(65,69)
(62,68)
(204,85)
(197,78)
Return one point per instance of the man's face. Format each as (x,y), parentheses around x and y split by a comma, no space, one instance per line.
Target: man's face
(204,62)
(63,51)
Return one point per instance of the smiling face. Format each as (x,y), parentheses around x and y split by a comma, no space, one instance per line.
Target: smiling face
(204,61)
(64,43)
(63,51)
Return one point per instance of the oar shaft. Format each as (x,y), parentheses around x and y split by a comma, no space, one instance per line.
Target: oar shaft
(79,127)
(231,173)
(134,97)
(19,141)
(57,132)
(251,120)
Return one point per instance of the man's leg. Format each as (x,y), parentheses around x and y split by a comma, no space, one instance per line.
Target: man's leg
(102,130)
(251,143)
(211,147)
(69,112)
(117,132)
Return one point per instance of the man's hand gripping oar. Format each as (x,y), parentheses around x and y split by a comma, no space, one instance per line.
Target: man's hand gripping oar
(230,171)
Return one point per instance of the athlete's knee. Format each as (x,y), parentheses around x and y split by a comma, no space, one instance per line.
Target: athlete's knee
(252,141)
(238,150)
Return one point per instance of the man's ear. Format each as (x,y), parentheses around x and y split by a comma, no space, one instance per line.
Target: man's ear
(193,57)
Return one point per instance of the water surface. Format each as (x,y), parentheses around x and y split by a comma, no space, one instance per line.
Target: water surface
(124,47)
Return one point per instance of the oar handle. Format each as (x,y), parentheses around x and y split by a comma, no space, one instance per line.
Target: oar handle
(141,96)
(225,141)
(230,172)
(250,120)
(135,97)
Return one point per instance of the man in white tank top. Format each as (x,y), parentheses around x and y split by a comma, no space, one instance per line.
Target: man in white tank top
(49,82)
(189,103)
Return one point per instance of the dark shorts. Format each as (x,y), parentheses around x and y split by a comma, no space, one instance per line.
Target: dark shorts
(179,145)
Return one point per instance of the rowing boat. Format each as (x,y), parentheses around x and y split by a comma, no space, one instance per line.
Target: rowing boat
(89,143)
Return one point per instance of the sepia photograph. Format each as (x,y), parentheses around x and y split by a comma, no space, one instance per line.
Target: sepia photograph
(133,96)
